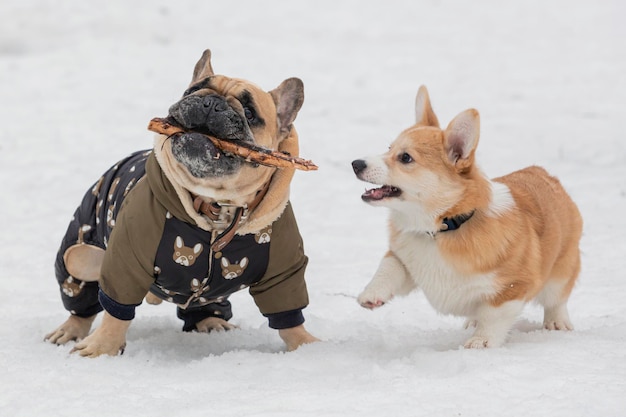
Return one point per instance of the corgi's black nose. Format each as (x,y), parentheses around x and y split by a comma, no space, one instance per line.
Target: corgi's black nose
(358,166)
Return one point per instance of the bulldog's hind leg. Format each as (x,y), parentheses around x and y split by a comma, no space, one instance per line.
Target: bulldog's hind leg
(214,324)
(554,297)
(74,328)
(83,261)
(82,266)
(77,269)
(206,318)
(77,274)
(153,299)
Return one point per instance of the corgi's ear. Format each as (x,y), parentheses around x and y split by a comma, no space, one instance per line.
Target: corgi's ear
(461,138)
(424,114)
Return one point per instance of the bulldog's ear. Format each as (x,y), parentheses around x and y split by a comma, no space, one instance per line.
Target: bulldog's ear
(424,114)
(288,98)
(203,67)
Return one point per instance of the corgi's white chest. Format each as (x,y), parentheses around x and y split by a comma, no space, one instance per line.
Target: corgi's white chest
(447,290)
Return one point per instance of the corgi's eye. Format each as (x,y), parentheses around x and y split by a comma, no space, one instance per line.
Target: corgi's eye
(405,158)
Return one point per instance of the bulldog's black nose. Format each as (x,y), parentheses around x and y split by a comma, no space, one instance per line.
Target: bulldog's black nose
(197,111)
(212,115)
(213,103)
(358,166)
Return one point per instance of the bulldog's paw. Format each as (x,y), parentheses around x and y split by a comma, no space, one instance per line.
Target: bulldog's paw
(153,299)
(214,324)
(108,339)
(97,344)
(372,298)
(294,337)
(74,328)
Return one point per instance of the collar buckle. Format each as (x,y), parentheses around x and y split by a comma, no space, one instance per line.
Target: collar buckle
(227,216)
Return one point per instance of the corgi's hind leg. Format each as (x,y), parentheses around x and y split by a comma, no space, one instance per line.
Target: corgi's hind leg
(493,324)
(557,318)
(554,295)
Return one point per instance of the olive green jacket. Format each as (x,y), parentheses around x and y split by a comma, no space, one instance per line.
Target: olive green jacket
(156,246)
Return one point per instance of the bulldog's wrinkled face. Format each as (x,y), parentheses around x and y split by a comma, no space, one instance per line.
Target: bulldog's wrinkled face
(224,108)
(231,109)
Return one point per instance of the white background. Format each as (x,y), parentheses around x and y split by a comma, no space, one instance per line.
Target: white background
(79,81)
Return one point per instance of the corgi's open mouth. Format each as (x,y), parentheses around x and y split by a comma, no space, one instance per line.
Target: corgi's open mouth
(386,191)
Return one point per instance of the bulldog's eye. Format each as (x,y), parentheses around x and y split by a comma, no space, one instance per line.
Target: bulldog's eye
(249,113)
(405,158)
(204,83)
(191,90)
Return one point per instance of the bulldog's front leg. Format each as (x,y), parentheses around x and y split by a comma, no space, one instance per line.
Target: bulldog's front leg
(108,339)
(295,337)
(390,279)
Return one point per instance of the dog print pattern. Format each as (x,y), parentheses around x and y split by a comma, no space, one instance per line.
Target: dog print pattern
(184,255)
(186,271)
(210,276)
(92,224)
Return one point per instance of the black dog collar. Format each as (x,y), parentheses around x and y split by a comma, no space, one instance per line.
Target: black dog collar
(453,223)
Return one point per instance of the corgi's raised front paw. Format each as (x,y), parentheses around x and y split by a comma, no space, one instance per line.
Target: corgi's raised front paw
(371,304)
(372,299)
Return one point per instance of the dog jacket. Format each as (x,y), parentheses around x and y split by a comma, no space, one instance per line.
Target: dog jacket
(152,244)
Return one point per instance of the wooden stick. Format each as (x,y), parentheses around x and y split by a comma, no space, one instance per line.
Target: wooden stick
(246,150)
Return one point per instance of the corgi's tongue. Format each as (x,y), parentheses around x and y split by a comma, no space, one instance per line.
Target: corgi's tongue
(385,191)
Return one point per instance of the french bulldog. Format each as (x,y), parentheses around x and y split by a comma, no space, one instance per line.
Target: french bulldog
(171,222)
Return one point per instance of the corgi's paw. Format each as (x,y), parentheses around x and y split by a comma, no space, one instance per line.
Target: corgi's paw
(371,304)
(477,342)
(557,318)
(470,323)
(558,325)
(485,340)
(373,298)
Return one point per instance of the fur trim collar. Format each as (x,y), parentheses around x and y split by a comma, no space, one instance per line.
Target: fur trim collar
(266,212)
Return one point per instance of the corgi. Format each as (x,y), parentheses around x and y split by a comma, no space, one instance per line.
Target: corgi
(478,248)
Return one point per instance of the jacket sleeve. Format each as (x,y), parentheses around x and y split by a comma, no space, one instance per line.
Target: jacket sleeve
(281,294)
(128,266)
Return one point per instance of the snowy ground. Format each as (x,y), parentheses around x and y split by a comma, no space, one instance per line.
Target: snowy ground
(79,81)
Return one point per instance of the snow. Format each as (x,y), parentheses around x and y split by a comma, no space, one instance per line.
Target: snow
(80,80)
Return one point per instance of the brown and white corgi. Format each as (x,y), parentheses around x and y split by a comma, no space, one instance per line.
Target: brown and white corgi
(477,247)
